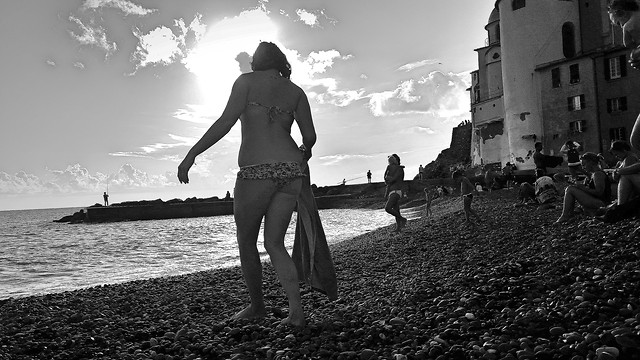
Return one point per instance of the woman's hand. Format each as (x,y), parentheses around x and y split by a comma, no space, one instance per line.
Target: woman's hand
(183,169)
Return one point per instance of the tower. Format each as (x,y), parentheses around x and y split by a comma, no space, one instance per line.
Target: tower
(532,33)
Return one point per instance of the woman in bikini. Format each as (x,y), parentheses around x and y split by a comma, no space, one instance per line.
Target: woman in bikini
(593,195)
(394,177)
(271,170)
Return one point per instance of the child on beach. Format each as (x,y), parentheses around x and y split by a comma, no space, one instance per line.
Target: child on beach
(394,177)
(466,191)
(428,195)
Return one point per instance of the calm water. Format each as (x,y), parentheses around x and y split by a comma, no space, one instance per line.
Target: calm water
(39,256)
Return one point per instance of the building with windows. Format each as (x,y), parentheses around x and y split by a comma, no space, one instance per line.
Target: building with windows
(551,71)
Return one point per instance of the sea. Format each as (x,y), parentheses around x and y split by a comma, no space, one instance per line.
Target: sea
(39,256)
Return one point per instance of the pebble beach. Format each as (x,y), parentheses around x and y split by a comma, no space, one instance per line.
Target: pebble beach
(515,287)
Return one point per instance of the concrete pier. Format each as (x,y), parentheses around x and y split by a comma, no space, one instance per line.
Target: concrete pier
(158,211)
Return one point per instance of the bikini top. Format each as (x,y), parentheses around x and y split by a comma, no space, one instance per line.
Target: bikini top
(272,110)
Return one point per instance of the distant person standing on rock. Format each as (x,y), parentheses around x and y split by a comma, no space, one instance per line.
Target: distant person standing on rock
(421,172)
(105,197)
(394,177)
(369,176)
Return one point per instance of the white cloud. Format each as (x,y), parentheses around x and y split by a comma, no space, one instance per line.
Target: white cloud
(78,65)
(159,46)
(51,63)
(339,158)
(441,95)
(198,114)
(423,130)
(307,17)
(76,178)
(127,7)
(92,35)
(418,64)
(313,18)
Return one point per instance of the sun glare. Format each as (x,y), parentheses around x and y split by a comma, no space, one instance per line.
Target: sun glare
(214,62)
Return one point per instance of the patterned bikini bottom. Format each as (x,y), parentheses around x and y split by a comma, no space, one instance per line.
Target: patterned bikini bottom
(282,173)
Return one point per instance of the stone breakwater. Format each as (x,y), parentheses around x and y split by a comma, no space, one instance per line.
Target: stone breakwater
(516,287)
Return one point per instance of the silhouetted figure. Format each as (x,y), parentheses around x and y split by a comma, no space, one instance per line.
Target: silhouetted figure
(369,176)
(421,172)
(228,196)
(394,177)
(105,196)
(272,168)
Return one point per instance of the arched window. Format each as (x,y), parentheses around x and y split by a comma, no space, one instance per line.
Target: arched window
(498,32)
(517,4)
(568,40)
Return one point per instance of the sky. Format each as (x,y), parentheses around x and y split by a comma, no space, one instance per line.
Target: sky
(109,95)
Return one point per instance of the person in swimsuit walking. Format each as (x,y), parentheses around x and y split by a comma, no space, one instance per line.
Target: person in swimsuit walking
(271,170)
(394,178)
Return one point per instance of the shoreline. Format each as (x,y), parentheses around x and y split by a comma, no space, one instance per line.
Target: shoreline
(515,288)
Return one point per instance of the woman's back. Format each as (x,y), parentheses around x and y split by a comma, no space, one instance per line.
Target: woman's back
(272,102)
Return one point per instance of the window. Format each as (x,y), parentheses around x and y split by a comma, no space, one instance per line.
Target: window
(555,77)
(518,4)
(615,67)
(618,134)
(617,104)
(574,74)
(476,94)
(474,77)
(577,126)
(576,102)
(568,40)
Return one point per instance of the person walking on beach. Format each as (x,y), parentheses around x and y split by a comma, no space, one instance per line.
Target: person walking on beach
(105,197)
(394,177)
(271,170)
(466,191)
(369,176)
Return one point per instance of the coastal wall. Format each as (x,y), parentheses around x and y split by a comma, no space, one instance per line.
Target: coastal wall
(160,211)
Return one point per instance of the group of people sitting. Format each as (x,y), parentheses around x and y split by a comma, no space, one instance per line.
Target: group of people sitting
(594,195)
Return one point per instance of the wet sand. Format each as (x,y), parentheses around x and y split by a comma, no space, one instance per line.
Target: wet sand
(516,287)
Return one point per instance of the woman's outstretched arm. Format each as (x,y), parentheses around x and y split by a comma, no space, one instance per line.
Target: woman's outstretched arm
(220,128)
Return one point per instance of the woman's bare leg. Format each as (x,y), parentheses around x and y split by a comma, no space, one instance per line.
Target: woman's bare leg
(568,204)
(573,194)
(250,205)
(276,223)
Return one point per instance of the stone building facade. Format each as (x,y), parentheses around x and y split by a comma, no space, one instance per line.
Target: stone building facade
(551,71)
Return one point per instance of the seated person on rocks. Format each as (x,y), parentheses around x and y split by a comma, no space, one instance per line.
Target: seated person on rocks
(526,194)
(627,172)
(594,194)
(545,189)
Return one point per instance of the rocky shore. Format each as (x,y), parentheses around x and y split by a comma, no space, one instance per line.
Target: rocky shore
(517,287)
